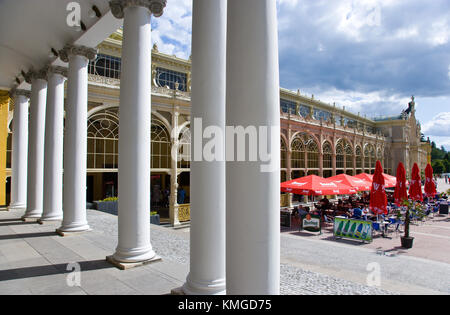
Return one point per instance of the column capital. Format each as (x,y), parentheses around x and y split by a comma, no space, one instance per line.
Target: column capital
(57,70)
(68,50)
(156,7)
(18,92)
(32,75)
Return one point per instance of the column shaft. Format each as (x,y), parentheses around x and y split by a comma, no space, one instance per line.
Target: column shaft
(134,138)
(19,153)
(253,194)
(75,147)
(35,185)
(207,243)
(53,163)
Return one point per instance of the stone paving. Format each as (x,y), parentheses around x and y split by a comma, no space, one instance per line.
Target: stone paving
(34,261)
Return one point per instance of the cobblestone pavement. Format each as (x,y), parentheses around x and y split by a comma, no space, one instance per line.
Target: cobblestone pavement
(174,245)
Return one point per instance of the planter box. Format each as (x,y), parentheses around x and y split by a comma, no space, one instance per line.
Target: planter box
(107,206)
(154,219)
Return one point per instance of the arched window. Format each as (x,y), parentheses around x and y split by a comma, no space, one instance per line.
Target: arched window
(313,154)
(339,155)
(366,158)
(348,157)
(373,157)
(184,148)
(327,156)
(161,145)
(103,140)
(298,153)
(358,153)
(283,154)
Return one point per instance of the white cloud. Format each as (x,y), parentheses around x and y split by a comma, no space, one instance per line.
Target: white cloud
(438,126)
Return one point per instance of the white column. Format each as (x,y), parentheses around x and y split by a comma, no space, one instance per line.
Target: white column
(134,134)
(173,207)
(207,232)
(19,150)
(253,196)
(54,129)
(35,184)
(75,139)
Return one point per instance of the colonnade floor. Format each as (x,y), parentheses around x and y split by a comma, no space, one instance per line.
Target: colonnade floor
(35,260)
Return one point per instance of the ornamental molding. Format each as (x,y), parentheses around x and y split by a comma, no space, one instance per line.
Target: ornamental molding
(57,70)
(156,7)
(73,50)
(18,92)
(32,75)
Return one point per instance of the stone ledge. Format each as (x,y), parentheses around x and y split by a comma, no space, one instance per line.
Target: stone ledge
(29,219)
(126,266)
(177,291)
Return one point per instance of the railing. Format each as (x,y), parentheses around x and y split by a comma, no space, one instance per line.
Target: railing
(184,213)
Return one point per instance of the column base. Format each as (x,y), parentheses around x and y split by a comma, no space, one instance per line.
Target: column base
(32,215)
(17,206)
(48,221)
(70,233)
(217,287)
(50,218)
(74,227)
(128,265)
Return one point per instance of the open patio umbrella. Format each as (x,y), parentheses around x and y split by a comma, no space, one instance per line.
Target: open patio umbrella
(357,183)
(415,189)
(389,180)
(313,185)
(430,187)
(400,193)
(378,199)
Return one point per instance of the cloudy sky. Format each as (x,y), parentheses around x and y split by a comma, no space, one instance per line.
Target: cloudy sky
(367,55)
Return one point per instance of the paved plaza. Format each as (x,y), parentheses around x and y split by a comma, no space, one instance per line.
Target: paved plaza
(34,260)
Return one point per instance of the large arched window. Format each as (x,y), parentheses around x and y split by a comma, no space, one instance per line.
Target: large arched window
(373,157)
(348,157)
(184,148)
(358,153)
(366,158)
(298,153)
(327,156)
(313,154)
(161,145)
(283,154)
(339,155)
(103,140)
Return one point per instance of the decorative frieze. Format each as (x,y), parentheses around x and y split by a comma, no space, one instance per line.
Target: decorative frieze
(57,70)
(156,7)
(18,92)
(32,75)
(73,50)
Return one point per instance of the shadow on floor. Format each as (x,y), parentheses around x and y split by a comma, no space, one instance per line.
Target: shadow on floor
(48,270)
(18,223)
(27,235)
(11,220)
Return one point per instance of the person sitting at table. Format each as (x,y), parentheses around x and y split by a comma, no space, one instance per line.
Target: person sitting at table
(357,213)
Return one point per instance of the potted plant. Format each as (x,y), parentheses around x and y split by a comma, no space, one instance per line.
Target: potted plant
(417,209)
(154,217)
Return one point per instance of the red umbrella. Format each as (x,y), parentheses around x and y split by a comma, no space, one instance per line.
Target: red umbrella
(400,193)
(430,187)
(378,199)
(415,189)
(313,185)
(389,181)
(357,183)
(365,176)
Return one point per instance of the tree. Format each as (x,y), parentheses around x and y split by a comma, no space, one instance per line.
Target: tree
(438,167)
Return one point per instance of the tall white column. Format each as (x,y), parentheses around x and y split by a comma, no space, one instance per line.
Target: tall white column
(54,129)
(134,133)
(19,150)
(35,184)
(75,138)
(253,193)
(207,233)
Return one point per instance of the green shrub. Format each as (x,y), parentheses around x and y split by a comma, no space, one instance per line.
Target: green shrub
(110,199)
(153,213)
